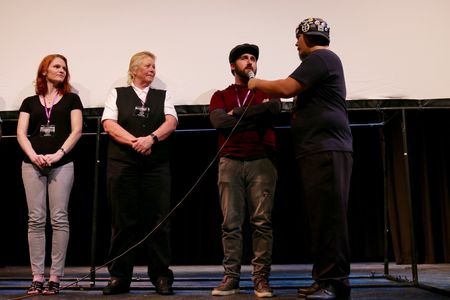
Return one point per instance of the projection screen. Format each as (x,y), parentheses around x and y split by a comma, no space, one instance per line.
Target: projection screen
(390,48)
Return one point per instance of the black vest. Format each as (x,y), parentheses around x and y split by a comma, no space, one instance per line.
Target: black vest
(126,102)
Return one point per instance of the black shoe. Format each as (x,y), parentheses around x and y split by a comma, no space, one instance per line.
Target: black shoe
(305,291)
(327,293)
(322,294)
(52,288)
(163,285)
(116,286)
(36,288)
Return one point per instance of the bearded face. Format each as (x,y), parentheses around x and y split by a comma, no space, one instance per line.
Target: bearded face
(243,65)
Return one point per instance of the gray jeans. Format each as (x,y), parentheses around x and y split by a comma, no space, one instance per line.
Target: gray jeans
(58,183)
(247,185)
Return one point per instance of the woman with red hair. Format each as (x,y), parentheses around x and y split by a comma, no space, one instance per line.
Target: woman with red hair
(49,126)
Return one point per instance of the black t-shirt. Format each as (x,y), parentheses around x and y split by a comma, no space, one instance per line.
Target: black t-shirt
(59,117)
(319,119)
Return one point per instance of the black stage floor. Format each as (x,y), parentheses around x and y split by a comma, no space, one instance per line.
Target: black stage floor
(196,282)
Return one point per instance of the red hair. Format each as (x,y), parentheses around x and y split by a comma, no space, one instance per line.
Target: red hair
(41,79)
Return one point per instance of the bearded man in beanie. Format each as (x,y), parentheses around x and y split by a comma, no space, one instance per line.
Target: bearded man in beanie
(247,175)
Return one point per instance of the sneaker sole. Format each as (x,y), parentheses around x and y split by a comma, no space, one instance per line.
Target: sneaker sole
(264,294)
(225,293)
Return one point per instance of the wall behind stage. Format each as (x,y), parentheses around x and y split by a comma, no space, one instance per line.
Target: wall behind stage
(390,49)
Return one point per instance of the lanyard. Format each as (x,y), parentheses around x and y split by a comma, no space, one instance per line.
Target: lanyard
(48,111)
(239,101)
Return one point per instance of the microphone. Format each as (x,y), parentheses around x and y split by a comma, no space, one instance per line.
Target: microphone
(251,75)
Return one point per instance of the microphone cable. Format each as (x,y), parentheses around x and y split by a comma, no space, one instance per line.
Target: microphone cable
(169,214)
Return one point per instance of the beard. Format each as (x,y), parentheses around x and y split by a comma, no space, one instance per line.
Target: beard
(243,73)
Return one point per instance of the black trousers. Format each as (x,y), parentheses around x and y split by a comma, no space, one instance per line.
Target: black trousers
(139,198)
(325,182)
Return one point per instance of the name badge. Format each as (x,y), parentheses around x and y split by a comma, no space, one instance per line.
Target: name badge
(141,111)
(47,130)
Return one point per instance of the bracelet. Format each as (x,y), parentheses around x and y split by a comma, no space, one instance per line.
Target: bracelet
(155,138)
(63,151)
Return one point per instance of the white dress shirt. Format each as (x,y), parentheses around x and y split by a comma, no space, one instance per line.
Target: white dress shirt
(110,111)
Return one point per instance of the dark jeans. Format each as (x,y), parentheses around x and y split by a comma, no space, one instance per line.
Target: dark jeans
(247,185)
(139,198)
(325,179)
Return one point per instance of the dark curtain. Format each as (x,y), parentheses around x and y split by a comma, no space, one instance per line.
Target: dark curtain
(428,144)
(196,224)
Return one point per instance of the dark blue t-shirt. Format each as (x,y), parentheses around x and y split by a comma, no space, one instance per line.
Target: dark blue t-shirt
(319,118)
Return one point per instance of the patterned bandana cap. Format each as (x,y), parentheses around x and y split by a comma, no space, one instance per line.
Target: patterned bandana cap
(313,26)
